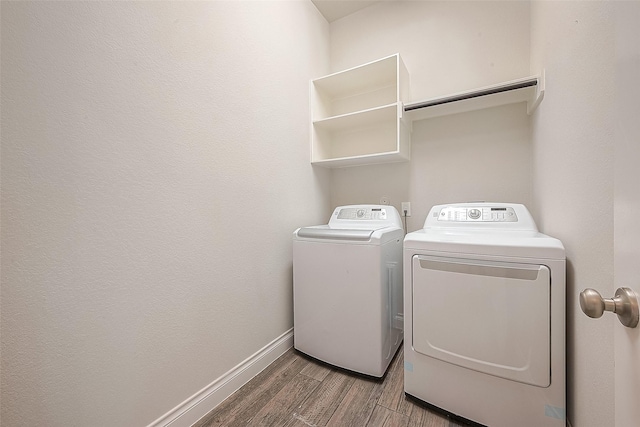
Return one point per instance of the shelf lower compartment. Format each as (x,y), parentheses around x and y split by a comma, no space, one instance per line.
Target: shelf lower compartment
(382,142)
(369,159)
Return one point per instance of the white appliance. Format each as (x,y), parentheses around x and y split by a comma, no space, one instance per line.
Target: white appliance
(485,316)
(347,288)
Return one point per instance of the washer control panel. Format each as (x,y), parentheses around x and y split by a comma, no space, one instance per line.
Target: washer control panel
(363,213)
(478,214)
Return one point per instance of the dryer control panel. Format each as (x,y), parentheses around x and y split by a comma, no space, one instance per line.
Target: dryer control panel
(478,214)
(481,216)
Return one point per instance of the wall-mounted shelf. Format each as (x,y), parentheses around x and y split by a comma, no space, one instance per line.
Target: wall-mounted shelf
(357,115)
(529,90)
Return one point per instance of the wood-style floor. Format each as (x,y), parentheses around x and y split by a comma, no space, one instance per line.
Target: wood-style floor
(297,390)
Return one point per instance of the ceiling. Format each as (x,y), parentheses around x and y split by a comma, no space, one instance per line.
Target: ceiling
(336,9)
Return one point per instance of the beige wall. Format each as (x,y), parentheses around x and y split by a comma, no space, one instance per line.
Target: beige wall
(573,183)
(627,205)
(155,161)
(447,47)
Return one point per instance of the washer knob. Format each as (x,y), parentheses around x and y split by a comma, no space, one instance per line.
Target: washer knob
(474,213)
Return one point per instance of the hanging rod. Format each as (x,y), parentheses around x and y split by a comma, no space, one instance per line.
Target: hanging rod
(473,94)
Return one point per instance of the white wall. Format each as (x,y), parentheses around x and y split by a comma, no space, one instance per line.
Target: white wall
(573,183)
(155,161)
(447,47)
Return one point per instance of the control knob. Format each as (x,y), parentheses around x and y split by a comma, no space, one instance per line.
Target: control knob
(474,213)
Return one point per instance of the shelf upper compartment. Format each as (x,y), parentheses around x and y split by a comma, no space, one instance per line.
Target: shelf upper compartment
(360,88)
(363,78)
(529,90)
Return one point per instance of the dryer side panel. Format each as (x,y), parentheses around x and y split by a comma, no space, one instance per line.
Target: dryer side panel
(492,317)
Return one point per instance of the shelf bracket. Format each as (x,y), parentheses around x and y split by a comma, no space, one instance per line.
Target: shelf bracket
(533,103)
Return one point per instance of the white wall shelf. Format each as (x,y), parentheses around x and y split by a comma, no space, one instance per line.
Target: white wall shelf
(359,118)
(529,90)
(357,115)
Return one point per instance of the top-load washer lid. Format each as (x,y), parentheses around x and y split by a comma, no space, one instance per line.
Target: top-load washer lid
(338,234)
(356,223)
(496,229)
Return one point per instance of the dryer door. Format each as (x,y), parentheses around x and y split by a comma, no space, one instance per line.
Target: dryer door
(492,317)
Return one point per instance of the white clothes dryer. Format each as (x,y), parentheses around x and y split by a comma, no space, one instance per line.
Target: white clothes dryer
(485,316)
(347,288)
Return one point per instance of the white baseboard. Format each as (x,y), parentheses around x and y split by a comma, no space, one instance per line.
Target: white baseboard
(200,404)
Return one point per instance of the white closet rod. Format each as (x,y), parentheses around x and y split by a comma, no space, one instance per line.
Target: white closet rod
(473,94)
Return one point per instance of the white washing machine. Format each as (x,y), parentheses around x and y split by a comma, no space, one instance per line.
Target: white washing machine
(347,288)
(485,316)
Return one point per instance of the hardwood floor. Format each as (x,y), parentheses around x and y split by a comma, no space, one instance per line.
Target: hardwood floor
(297,390)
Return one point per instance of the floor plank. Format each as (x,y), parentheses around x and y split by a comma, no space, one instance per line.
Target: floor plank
(316,371)
(299,391)
(279,410)
(357,405)
(319,406)
(421,417)
(246,402)
(384,417)
(392,396)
